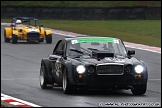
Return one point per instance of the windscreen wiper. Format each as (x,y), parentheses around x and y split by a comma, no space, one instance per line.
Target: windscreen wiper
(76,51)
(93,49)
(80,51)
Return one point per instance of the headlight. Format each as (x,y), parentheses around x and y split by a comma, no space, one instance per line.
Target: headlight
(139,69)
(80,69)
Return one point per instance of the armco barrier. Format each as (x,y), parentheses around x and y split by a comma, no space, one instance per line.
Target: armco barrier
(83,13)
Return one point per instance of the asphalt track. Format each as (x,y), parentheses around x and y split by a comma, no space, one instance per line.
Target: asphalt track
(20,65)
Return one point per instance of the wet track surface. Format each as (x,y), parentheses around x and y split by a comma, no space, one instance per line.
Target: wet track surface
(20,65)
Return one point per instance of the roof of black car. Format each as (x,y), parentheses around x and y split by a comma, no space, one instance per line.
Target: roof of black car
(72,38)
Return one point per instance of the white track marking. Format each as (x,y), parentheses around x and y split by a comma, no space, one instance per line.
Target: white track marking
(4,97)
(16,103)
(143,49)
(63,34)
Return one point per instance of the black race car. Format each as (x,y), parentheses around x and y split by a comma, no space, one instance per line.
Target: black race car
(93,62)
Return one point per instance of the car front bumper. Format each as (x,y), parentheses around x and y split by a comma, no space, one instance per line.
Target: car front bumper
(33,36)
(109,81)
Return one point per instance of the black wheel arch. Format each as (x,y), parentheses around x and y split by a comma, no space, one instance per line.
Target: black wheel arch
(69,67)
(46,63)
(50,77)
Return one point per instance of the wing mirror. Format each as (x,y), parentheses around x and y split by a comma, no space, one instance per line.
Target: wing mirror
(131,52)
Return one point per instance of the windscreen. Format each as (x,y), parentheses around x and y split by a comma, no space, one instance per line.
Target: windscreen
(84,46)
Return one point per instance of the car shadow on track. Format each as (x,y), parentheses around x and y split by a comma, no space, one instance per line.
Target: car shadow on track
(32,42)
(26,43)
(96,92)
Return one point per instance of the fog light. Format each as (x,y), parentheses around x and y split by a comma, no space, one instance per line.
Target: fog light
(139,76)
(80,76)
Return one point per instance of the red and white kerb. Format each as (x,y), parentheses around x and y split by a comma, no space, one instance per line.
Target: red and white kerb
(16,102)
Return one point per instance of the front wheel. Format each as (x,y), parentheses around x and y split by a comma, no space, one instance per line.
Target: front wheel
(6,39)
(49,38)
(139,89)
(67,88)
(43,79)
(14,39)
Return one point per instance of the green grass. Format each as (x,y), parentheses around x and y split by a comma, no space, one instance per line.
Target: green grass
(81,3)
(146,32)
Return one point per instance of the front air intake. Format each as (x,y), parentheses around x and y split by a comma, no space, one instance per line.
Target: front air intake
(33,36)
(110,69)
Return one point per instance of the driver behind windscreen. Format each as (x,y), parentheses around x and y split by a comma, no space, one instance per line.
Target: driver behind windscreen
(18,23)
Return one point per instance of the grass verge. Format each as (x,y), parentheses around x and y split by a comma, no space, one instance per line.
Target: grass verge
(147,32)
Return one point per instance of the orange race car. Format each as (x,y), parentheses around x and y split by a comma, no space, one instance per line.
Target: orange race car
(26,28)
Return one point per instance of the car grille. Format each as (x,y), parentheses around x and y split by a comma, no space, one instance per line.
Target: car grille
(110,69)
(33,36)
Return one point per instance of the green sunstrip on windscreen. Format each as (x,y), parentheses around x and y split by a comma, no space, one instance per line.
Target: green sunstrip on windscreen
(85,40)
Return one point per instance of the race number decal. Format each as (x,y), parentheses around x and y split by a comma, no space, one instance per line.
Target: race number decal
(32,29)
(74,41)
(116,41)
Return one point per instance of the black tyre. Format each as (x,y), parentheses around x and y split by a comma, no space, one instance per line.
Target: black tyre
(66,86)
(14,39)
(43,78)
(6,39)
(49,38)
(139,89)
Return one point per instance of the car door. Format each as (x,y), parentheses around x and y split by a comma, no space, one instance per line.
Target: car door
(56,60)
